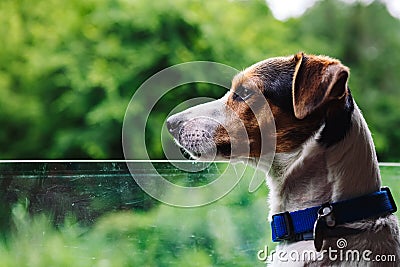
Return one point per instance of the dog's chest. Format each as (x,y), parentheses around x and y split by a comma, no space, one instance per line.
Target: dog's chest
(305,183)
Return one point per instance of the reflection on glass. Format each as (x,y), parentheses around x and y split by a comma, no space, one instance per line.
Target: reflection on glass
(94,213)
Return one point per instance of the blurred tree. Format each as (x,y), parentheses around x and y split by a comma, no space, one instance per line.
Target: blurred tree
(68,69)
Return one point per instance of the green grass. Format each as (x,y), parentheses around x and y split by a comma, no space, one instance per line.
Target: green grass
(391,178)
(228,232)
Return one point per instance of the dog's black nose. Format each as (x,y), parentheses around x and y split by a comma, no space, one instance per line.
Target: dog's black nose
(174,125)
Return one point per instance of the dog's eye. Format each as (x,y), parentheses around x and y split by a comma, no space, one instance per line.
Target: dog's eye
(242,94)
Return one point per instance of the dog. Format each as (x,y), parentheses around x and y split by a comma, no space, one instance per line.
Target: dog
(324,154)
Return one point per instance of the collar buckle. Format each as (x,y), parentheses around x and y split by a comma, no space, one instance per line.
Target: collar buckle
(390,196)
(290,236)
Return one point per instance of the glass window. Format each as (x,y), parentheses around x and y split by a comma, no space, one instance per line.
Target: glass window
(96,214)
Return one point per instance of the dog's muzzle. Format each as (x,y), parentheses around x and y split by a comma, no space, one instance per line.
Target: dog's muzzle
(194,135)
(174,125)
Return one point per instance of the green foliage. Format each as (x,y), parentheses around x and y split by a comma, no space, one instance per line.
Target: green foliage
(226,233)
(69,68)
(229,232)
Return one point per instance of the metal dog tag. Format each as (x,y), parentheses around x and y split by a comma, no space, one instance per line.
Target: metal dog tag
(325,219)
(319,227)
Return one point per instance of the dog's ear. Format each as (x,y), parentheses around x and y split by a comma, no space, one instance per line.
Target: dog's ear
(316,81)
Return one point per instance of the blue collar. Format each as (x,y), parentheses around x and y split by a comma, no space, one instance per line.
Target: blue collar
(299,225)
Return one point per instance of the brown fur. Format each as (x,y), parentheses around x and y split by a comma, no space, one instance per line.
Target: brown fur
(309,95)
(317,80)
(292,132)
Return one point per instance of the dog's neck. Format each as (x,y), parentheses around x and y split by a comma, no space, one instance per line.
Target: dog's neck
(314,174)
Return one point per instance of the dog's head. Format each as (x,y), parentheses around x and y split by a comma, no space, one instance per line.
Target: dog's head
(298,94)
